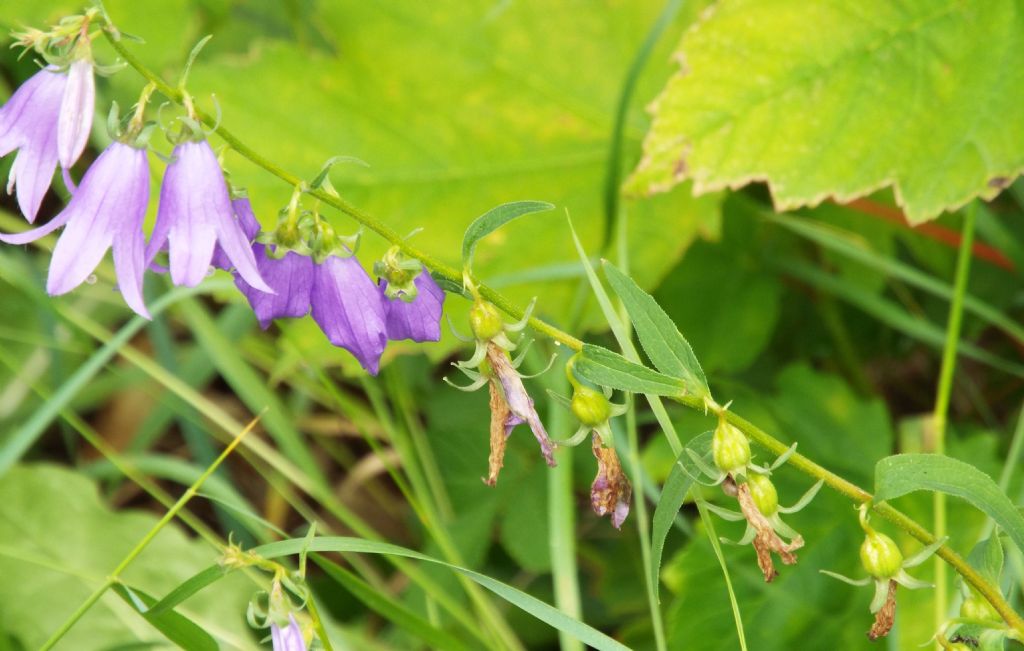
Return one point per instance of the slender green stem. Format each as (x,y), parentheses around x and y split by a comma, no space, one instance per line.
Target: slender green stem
(798,461)
(439,267)
(945,390)
(114,577)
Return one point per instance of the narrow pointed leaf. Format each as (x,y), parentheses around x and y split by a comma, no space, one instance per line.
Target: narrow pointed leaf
(606,368)
(174,626)
(494,219)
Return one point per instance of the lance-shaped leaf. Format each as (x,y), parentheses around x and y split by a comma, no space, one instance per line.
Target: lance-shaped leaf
(606,368)
(905,473)
(494,219)
(838,99)
(659,336)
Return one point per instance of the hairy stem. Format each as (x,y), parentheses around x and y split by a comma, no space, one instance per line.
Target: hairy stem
(442,269)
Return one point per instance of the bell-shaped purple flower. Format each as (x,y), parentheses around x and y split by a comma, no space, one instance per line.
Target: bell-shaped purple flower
(291,278)
(348,307)
(195,214)
(28,123)
(246,219)
(288,638)
(420,319)
(106,211)
(76,109)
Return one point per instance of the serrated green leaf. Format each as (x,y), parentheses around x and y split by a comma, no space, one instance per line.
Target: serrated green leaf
(606,368)
(494,219)
(176,627)
(818,100)
(678,484)
(659,336)
(905,473)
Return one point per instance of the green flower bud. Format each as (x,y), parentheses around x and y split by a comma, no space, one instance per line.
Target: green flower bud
(766,498)
(590,407)
(485,320)
(880,555)
(730,448)
(976,607)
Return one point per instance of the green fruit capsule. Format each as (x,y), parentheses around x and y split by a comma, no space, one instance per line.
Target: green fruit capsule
(880,555)
(730,448)
(590,407)
(766,498)
(975,607)
(485,320)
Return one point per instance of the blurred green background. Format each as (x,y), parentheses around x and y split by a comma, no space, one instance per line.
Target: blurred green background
(456,107)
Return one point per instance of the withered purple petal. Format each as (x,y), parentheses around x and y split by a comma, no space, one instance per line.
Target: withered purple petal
(419,320)
(347,306)
(195,213)
(519,402)
(28,123)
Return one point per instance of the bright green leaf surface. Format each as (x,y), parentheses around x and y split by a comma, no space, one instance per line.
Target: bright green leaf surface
(837,99)
(58,542)
(605,368)
(905,473)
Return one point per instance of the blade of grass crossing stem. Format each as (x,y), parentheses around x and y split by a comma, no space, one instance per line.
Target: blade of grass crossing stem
(562,517)
(272,457)
(660,414)
(16,443)
(114,577)
(943,393)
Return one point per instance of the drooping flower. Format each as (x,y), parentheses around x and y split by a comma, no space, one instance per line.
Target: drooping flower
(418,319)
(106,211)
(347,306)
(195,214)
(887,569)
(76,110)
(288,638)
(510,404)
(28,123)
(246,218)
(611,491)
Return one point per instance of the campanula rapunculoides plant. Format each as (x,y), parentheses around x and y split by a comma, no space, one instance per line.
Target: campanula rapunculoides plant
(304,267)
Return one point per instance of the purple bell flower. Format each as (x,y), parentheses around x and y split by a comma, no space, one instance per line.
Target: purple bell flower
(288,638)
(106,211)
(246,219)
(195,214)
(28,123)
(347,306)
(291,278)
(420,319)
(76,109)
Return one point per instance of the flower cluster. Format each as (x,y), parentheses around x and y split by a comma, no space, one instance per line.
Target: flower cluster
(302,268)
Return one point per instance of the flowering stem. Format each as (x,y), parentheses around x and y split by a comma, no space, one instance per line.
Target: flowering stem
(114,577)
(940,415)
(442,269)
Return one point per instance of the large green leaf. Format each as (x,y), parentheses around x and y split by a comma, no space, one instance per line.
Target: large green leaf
(58,542)
(905,473)
(838,99)
(606,368)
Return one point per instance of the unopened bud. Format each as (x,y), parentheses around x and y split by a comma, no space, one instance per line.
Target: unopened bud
(975,607)
(730,448)
(485,320)
(880,555)
(766,498)
(590,407)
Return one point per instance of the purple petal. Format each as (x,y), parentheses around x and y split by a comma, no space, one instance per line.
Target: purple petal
(195,212)
(76,111)
(291,278)
(108,209)
(289,638)
(347,306)
(28,121)
(419,320)
(245,217)
(611,491)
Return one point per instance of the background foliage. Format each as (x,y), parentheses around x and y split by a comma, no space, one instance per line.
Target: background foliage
(457,107)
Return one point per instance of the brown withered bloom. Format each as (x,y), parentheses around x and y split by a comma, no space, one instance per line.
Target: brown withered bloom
(765,540)
(611,491)
(886,615)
